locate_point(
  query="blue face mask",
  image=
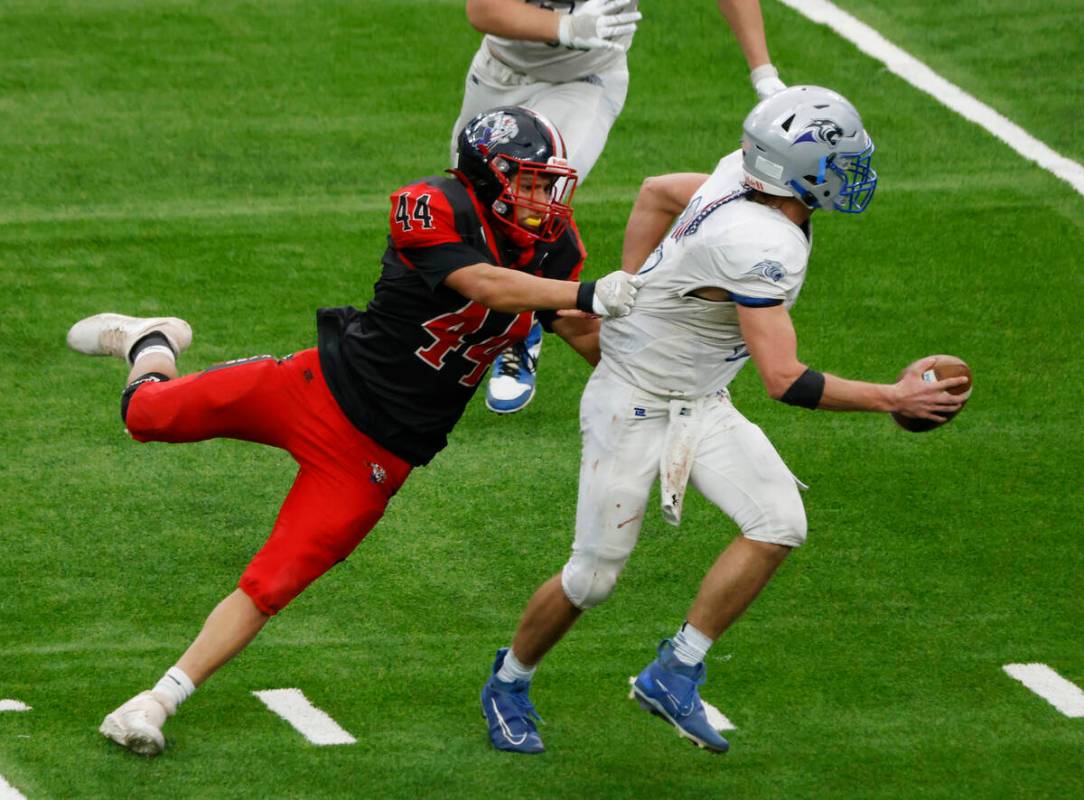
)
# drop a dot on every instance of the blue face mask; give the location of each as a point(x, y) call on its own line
point(859, 181)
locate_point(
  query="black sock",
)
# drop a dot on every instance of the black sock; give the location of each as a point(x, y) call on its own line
point(151, 339)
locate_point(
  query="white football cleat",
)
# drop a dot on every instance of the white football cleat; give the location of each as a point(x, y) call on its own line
point(138, 723)
point(114, 334)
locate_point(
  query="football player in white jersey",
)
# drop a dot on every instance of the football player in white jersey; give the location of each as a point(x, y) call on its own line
point(566, 60)
point(723, 257)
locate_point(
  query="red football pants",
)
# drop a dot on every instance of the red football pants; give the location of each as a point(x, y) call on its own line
point(345, 478)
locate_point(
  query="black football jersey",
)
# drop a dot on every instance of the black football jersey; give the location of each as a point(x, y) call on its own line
point(404, 369)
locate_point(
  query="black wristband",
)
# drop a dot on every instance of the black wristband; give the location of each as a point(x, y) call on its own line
point(585, 297)
point(806, 391)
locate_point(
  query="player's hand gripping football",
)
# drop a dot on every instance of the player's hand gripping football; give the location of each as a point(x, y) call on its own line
point(615, 293)
point(916, 397)
point(596, 26)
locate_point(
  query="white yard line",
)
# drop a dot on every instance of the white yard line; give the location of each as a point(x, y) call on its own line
point(1064, 695)
point(312, 723)
point(9, 792)
point(716, 718)
point(922, 77)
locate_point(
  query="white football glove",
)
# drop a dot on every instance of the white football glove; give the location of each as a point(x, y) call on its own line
point(765, 80)
point(615, 293)
point(595, 27)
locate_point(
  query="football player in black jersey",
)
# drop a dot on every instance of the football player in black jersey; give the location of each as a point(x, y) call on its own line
point(567, 60)
point(471, 258)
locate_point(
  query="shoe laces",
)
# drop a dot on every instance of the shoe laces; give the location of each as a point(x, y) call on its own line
point(514, 358)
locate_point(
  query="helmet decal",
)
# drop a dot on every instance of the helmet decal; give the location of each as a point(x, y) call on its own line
point(492, 129)
point(823, 130)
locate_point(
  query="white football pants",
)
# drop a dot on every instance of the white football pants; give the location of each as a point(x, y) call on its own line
point(623, 429)
point(583, 110)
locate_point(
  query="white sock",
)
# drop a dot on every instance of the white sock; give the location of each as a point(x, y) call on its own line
point(176, 685)
point(690, 645)
point(514, 670)
point(154, 350)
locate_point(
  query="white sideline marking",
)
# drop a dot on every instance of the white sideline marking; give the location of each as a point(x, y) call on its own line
point(1064, 695)
point(716, 718)
point(922, 77)
point(13, 705)
point(312, 723)
point(9, 792)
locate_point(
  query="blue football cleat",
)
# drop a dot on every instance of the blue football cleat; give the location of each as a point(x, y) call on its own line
point(667, 688)
point(510, 714)
point(512, 382)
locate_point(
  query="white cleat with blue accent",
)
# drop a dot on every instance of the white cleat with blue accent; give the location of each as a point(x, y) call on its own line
point(512, 382)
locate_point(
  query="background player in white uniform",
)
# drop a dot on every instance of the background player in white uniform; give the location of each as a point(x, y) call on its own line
point(718, 285)
point(566, 60)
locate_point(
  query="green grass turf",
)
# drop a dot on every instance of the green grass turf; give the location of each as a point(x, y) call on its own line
point(230, 162)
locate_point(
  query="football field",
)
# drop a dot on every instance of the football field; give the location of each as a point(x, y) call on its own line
point(230, 163)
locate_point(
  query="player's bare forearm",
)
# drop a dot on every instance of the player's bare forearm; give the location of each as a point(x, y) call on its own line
point(841, 394)
point(658, 202)
point(513, 19)
point(773, 346)
point(747, 22)
point(582, 336)
point(509, 291)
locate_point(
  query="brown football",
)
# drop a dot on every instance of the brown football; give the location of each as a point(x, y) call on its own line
point(944, 367)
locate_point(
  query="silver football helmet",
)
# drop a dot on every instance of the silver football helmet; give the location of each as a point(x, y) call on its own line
point(809, 142)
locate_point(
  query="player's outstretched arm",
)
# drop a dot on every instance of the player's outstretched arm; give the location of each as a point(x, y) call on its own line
point(747, 22)
point(511, 292)
point(660, 200)
point(773, 346)
point(513, 19)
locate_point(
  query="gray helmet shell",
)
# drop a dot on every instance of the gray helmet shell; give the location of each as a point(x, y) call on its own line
point(803, 142)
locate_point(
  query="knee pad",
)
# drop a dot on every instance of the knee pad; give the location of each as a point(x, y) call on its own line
point(785, 525)
point(588, 580)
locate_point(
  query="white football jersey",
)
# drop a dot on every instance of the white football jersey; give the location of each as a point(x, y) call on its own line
point(554, 63)
point(677, 345)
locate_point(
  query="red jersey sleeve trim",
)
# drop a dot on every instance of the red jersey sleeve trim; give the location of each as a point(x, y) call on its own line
point(421, 216)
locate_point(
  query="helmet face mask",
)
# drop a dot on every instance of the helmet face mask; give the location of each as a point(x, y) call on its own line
point(536, 197)
point(515, 161)
point(858, 180)
point(809, 142)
